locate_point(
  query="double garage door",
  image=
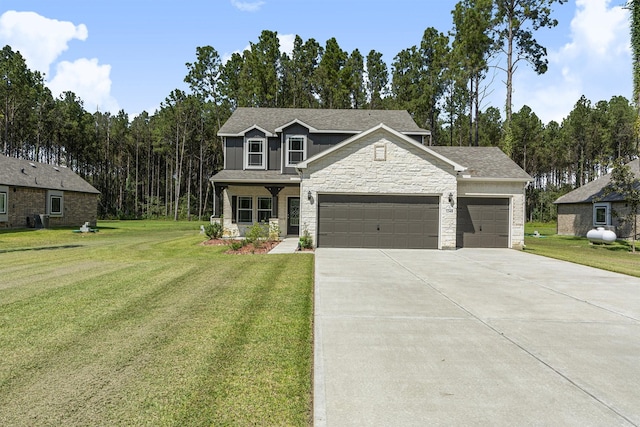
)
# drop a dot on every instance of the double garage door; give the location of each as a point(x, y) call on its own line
point(363, 221)
point(408, 222)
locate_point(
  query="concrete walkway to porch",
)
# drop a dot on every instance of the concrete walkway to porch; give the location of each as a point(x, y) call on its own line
point(288, 245)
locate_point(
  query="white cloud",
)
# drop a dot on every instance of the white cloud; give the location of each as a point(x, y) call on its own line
point(595, 63)
point(40, 40)
point(89, 81)
point(286, 43)
point(247, 6)
point(598, 30)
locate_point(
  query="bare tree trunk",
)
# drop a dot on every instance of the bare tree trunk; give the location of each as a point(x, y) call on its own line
point(200, 178)
point(189, 175)
point(470, 111)
point(510, 71)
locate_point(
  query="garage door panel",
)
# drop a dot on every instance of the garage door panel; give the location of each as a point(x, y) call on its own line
point(482, 222)
point(376, 221)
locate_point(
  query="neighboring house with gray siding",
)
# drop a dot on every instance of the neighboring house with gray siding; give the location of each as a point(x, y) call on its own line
point(586, 208)
point(30, 189)
point(364, 178)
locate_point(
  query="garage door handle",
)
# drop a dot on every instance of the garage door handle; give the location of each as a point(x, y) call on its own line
point(378, 227)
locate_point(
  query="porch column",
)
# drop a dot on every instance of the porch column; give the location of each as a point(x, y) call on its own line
point(217, 199)
point(274, 200)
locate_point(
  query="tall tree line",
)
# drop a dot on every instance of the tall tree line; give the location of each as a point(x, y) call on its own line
point(158, 165)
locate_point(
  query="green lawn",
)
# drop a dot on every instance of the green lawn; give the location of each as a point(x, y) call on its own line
point(616, 257)
point(139, 324)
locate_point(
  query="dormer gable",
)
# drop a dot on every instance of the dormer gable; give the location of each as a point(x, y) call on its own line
point(249, 129)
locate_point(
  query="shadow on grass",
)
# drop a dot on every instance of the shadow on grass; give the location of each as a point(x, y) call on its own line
point(42, 248)
point(613, 248)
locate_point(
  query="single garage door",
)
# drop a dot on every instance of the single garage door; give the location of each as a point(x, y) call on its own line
point(482, 223)
point(362, 221)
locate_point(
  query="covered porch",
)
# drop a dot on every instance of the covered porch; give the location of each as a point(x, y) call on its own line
point(243, 198)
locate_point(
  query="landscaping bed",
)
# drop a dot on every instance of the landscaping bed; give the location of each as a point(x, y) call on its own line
point(244, 249)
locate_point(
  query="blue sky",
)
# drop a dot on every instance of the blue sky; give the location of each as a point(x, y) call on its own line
point(131, 54)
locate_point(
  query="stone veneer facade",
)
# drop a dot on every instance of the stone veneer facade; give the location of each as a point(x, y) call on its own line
point(26, 202)
point(405, 170)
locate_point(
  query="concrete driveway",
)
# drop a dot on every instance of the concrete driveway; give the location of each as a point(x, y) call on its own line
point(473, 337)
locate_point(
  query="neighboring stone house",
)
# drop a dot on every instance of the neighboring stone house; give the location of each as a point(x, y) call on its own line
point(586, 208)
point(364, 178)
point(37, 194)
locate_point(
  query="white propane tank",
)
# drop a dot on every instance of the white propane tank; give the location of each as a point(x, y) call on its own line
point(600, 235)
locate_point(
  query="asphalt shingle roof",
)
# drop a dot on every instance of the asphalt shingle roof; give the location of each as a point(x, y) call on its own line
point(25, 173)
point(483, 162)
point(593, 191)
point(348, 121)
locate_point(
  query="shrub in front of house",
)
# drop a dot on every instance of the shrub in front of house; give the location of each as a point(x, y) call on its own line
point(213, 231)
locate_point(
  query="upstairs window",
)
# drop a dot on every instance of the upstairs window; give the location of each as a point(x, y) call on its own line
point(296, 151)
point(255, 153)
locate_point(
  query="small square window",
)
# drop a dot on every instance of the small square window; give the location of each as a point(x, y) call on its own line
point(601, 214)
point(56, 205)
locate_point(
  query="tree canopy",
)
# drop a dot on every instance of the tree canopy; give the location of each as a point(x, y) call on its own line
point(158, 163)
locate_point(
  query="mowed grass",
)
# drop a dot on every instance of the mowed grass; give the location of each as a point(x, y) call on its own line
point(139, 324)
point(616, 257)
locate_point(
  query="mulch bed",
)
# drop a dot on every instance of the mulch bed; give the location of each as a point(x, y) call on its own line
point(249, 248)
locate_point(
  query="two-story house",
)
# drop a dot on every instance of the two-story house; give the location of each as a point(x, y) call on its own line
point(364, 178)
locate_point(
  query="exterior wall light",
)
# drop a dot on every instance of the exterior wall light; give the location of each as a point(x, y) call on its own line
point(451, 199)
point(309, 195)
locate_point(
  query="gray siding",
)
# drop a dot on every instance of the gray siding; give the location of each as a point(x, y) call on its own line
point(316, 143)
point(273, 156)
point(233, 153)
point(418, 139)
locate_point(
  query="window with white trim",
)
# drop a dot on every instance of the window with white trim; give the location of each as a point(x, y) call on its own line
point(255, 153)
point(601, 214)
point(55, 203)
point(245, 209)
point(296, 149)
point(3, 203)
point(264, 209)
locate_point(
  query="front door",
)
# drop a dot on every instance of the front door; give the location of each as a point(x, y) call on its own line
point(293, 216)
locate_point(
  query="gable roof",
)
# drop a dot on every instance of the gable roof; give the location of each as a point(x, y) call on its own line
point(593, 191)
point(274, 120)
point(25, 173)
point(381, 126)
point(484, 163)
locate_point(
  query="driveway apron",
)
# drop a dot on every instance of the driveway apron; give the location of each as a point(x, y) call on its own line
point(473, 337)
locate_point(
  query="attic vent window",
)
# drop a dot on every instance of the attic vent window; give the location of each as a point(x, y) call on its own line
point(380, 152)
